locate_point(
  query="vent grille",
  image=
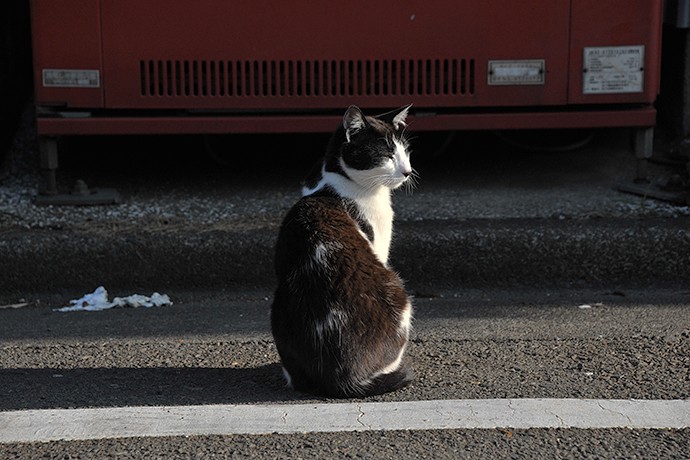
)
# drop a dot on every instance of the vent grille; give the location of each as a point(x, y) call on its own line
point(306, 78)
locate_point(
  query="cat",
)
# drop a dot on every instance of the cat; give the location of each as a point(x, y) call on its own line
point(341, 317)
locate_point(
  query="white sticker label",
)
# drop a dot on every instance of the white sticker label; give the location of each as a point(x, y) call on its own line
point(613, 69)
point(71, 78)
point(517, 72)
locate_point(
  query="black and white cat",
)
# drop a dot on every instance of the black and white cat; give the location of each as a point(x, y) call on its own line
point(341, 317)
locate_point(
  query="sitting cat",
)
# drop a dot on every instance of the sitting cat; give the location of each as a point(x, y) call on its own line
point(340, 317)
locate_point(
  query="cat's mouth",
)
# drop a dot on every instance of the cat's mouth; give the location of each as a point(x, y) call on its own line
point(409, 180)
point(398, 182)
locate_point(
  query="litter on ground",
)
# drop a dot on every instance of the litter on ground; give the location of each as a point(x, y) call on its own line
point(14, 306)
point(98, 300)
point(588, 306)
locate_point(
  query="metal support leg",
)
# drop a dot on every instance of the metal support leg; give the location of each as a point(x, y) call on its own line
point(643, 146)
point(81, 195)
point(49, 164)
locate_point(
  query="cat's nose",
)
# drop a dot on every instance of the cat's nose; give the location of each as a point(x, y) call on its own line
point(406, 174)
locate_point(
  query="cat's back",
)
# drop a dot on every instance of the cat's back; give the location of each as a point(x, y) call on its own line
point(319, 229)
point(316, 214)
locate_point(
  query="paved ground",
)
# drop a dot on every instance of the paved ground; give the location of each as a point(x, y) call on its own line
point(217, 349)
point(212, 348)
point(533, 277)
point(435, 444)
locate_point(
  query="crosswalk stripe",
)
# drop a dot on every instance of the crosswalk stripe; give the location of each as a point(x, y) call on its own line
point(147, 421)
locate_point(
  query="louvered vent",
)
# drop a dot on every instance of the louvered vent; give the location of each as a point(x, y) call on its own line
point(207, 78)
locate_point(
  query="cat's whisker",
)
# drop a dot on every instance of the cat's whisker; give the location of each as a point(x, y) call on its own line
point(414, 176)
point(411, 182)
point(406, 136)
point(378, 181)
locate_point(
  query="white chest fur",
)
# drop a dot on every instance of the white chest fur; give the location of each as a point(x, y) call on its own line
point(374, 205)
point(377, 210)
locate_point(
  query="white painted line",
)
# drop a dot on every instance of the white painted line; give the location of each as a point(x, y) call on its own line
point(117, 422)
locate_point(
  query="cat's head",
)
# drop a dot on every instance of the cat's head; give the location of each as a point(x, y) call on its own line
point(374, 150)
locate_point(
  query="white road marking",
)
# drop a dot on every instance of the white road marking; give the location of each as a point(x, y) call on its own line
point(118, 422)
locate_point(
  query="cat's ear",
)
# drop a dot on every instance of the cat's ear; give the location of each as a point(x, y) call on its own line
point(353, 121)
point(396, 117)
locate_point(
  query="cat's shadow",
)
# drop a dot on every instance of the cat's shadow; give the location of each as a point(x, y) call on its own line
point(118, 387)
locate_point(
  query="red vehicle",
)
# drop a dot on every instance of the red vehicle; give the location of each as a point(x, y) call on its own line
point(220, 66)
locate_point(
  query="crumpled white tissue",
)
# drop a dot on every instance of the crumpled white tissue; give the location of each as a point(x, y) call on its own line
point(98, 300)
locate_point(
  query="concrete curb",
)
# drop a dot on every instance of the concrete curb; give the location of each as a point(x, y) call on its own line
point(544, 252)
point(445, 253)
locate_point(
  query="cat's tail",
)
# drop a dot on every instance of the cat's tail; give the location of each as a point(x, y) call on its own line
point(383, 383)
point(392, 381)
point(346, 388)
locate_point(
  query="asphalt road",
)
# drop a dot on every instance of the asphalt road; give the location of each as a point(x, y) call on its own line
point(539, 225)
point(214, 348)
